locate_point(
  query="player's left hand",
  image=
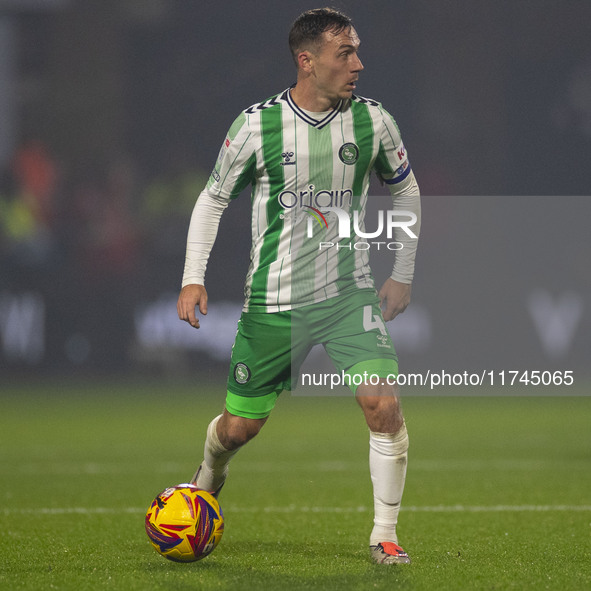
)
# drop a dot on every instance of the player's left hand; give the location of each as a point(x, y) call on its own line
point(394, 298)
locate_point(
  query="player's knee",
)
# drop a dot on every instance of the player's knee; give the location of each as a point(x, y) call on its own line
point(383, 414)
point(234, 431)
point(235, 437)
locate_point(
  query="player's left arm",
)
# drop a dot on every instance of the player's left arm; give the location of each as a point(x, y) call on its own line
point(394, 169)
point(395, 294)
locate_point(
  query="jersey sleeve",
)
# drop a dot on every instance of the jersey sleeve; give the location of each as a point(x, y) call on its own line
point(235, 166)
point(392, 164)
point(233, 171)
point(203, 230)
point(393, 167)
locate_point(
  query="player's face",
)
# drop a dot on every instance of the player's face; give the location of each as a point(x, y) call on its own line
point(337, 65)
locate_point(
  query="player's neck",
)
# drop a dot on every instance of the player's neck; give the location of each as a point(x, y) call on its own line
point(309, 99)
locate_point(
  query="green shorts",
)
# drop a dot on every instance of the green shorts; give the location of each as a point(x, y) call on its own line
point(270, 348)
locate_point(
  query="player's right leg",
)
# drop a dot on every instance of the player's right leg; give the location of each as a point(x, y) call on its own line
point(260, 369)
point(235, 431)
point(226, 434)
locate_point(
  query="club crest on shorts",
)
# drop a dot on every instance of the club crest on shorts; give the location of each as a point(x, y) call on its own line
point(349, 153)
point(241, 373)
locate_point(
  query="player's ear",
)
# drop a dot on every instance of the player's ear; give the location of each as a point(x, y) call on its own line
point(305, 61)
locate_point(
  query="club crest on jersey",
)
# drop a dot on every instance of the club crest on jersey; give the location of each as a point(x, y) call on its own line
point(349, 153)
point(241, 373)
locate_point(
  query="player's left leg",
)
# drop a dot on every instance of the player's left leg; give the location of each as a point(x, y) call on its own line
point(388, 445)
point(359, 344)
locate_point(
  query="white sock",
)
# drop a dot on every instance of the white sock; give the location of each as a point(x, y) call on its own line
point(387, 466)
point(214, 468)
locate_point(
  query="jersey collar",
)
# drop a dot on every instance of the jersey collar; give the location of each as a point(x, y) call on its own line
point(317, 123)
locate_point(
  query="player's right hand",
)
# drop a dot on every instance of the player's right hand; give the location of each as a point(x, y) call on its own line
point(191, 296)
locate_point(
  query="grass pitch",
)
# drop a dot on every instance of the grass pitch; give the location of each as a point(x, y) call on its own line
point(497, 495)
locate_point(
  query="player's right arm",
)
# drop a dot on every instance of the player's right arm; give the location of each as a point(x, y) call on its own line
point(233, 171)
point(200, 239)
point(191, 296)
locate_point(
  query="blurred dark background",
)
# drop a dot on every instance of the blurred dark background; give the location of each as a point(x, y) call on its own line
point(112, 113)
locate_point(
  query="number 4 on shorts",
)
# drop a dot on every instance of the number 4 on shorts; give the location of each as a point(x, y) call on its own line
point(373, 321)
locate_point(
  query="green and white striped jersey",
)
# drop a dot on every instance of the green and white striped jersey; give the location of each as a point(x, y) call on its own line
point(300, 165)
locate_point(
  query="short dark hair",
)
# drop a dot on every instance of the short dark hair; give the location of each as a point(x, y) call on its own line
point(307, 29)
